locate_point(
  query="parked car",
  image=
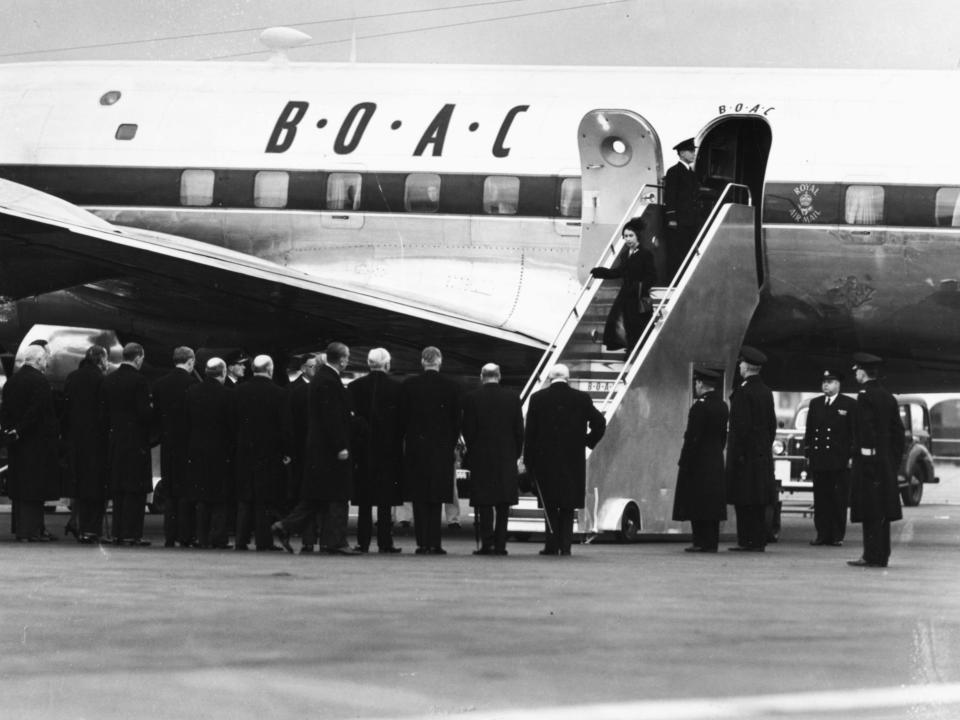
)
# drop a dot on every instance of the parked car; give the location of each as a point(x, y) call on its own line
point(916, 465)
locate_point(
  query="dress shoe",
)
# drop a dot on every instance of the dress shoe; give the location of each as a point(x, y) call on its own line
point(454, 525)
point(421, 551)
point(169, 543)
point(437, 551)
point(836, 543)
point(282, 536)
point(745, 548)
point(307, 550)
point(501, 551)
point(548, 552)
point(342, 550)
point(69, 529)
point(817, 541)
point(483, 551)
point(361, 548)
point(860, 562)
point(565, 553)
point(698, 549)
point(392, 550)
point(87, 539)
point(48, 536)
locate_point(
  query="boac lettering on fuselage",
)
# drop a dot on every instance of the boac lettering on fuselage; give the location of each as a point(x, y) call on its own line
point(357, 120)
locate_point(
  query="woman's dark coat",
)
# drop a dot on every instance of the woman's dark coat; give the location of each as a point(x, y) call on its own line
point(700, 492)
point(639, 273)
point(378, 447)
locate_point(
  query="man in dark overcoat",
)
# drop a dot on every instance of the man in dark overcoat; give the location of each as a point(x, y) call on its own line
point(30, 427)
point(84, 429)
point(681, 191)
point(328, 464)
point(561, 424)
point(211, 448)
point(170, 417)
point(493, 434)
point(263, 452)
point(430, 425)
point(298, 393)
point(700, 496)
point(828, 447)
point(749, 473)
point(127, 403)
point(378, 451)
point(878, 448)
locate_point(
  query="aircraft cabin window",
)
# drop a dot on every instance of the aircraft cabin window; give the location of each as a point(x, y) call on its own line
point(501, 195)
point(570, 197)
point(948, 207)
point(196, 188)
point(343, 191)
point(864, 205)
point(421, 193)
point(126, 131)
point(270, 189)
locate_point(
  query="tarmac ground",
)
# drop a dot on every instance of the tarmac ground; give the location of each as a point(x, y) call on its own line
point(619, 631)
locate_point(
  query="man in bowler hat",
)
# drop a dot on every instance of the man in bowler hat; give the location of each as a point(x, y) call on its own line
point(878, 447)
point(828, 447)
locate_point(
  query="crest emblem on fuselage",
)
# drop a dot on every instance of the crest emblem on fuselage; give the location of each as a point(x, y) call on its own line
point(803, 210)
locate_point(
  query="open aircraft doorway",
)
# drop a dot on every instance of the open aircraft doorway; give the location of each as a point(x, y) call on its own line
point(735, 149)
point(619, 157)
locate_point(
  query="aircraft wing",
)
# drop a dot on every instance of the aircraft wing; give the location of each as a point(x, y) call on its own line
point(153, 284)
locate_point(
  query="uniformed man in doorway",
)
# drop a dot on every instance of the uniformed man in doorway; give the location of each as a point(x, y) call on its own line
point(680, 198)
point(561, 424)
point(753, 426)
point(878, 447)
point(700, 496)
point(828, 447)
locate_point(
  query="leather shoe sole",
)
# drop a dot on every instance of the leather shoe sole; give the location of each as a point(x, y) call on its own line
point(741, 548)
point(863, 563)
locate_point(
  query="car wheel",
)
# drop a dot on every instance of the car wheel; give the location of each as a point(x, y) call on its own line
point(912, 494)
point(629, 524)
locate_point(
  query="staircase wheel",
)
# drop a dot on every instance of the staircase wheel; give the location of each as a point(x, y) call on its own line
point(629, 524)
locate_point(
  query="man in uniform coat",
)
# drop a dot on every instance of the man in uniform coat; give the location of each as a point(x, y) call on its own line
point(328, 465)
point(263, 452)
point(236, 368)
point(493, 433)
point(554, 453)
point(378, 452)
point(700, 496)
point(430, 425)
point(211, 447)
point(749, 472)
point(127, 402)
point(170, 417)
point(878, 447)
point(30, 427)
point(828, 447)
point(680, 198)
point(85, 435)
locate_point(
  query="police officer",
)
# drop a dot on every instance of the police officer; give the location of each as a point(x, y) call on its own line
point(828, 447)
point(878, 447)
point(699, 497)
point(753, 426)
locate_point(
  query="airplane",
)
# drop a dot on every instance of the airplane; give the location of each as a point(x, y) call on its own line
point(277, 205)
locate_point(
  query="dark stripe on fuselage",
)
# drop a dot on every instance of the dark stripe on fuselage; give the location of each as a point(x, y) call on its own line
point(802, 203)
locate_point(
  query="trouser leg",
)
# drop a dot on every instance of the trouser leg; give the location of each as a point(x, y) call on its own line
point(244, 522)
point(566, 529)
point(89, 515)
point(434, 523)
point(204, 515)
point(824, 512)
point(29, 520)
point(365, 525)
point(842, 502)
point(384, 526)
point(706, 533)
point(552, 540)
point(171, 514)
point(219, 534)
point(186, 521)
point(420, 524)
point(500, 527)
point(485, 518)
point(333, 534)
point(261, 525)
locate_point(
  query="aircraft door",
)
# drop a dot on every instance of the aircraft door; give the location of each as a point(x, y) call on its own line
point(735, 149)
point(619, 154)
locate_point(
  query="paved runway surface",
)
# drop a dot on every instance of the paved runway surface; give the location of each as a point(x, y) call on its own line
point(638, 631)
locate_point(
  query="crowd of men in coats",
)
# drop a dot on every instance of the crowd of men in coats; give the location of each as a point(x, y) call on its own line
point(265, 463)
point(853, 448)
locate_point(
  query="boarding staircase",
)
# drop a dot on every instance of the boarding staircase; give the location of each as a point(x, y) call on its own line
point(699, 321)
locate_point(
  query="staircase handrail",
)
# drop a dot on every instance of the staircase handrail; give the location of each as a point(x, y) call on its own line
point(589, 288)
point(619, 384)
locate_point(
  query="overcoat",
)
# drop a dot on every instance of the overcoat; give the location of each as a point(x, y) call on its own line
point(378, 447)
point(170, 418)
point(753, 427)
point(555, 442)
point(325, 476)
point(263, 439)
point(700, 489)
point(874, 492)
point(493, 434)
point(828, 437)
point(298, 396)
point(680, 196)
point(84, 429)
point(34, 468)
point(430, 425)
point(639, 273)
point(211, 442)
point(126, 398)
